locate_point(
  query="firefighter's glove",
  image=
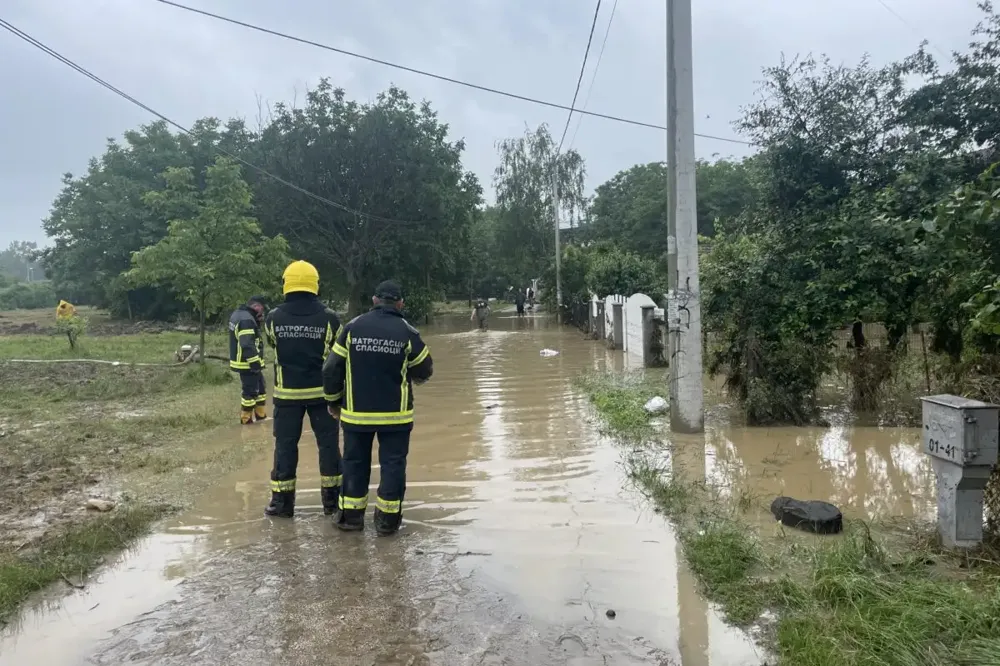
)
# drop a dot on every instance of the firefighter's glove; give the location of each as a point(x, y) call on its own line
point(255, 367)
point(334, 410)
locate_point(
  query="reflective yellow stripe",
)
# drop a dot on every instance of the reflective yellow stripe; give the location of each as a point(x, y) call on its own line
point(420, 357)
point(376, 418)
point(261, 399)
point(338, 350)
point(348, 382)
point(333, 397)
point(330, 481)
point(299, 393)
point(388, 506)
point(248, 403)
point(248, 331)
point(353, 502)
point(403, 384)
point(328, 342)
point(283, 486)
point(252, 359)
point(239, 365)
point(279, 379)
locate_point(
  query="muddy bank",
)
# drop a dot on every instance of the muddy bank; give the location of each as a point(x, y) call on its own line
point(92, 454)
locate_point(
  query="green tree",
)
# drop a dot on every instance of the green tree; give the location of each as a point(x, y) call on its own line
point(614, 271)
point(99, 219)
point(214, 255)
point(523, 181)
point(402, 202)
point(20, 261)
point(630, 209)
point(957, 109)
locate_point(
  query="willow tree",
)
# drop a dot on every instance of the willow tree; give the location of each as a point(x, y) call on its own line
point(529, 166)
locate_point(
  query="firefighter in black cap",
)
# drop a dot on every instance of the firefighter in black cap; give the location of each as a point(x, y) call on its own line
point(302, 331)
point(246, 357)
point(374, 363)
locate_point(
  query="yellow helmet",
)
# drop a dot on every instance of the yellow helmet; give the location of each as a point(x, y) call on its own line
point(301, 276)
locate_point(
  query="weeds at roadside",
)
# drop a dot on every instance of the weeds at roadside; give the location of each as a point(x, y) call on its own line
point(70, 555)
point(852, 600)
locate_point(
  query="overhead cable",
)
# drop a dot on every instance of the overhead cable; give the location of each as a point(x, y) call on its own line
point(93, 77)
point(579, 79)
point(593, 78)
point(439, 77)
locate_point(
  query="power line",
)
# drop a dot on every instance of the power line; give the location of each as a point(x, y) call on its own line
point(593, 79)
point(439, 77)
point(579, 80)
point(93, 77)
point(910, 26)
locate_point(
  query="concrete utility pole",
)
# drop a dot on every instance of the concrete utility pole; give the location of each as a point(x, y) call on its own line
point(683, 299)
point(555, 218)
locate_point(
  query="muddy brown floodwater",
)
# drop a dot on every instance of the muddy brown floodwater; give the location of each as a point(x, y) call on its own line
point(520, 535)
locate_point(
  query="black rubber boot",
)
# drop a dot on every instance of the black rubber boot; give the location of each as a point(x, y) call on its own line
point(387, 523)
point(350, 520)
point(331, 500)
point(282, 505)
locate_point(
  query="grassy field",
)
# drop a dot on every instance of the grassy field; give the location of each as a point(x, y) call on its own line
point(134, 434)
point(881, 594)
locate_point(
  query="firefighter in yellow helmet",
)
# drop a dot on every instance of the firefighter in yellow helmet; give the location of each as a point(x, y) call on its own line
point(302, 331)
point(370, 374)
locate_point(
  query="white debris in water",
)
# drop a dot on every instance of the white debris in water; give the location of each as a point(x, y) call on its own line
point(655, 405)
point(548, 352)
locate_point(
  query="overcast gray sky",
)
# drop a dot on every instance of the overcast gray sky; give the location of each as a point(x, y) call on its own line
point(52, 120)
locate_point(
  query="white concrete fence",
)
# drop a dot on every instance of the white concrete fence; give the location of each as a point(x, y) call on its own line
point(631, 324)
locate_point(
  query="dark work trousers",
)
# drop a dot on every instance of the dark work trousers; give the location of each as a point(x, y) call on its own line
point(393, 447)
point(287, 432)
point(252, 389)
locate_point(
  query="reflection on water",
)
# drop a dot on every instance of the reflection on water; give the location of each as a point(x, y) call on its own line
point(520, 534)
point(868, 472)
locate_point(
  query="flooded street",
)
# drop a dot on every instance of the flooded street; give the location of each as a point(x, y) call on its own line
point(520, 535)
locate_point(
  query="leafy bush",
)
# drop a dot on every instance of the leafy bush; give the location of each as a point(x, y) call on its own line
point(418, 304)
point(614, 271)
point(27, 296)
point(72, 327)
point(773, 329)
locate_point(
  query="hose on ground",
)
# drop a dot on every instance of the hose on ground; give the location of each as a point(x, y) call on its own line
point(193, 355)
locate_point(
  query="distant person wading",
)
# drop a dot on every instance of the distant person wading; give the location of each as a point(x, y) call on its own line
point(481, 313)
point(519, 299)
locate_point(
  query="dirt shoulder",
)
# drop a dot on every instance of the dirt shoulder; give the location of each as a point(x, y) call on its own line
point(883, 592)
point(92, 453)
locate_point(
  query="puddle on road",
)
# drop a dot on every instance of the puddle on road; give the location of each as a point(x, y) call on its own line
point(520, 535)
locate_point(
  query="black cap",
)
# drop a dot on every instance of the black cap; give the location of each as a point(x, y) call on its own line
point(389, 291)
